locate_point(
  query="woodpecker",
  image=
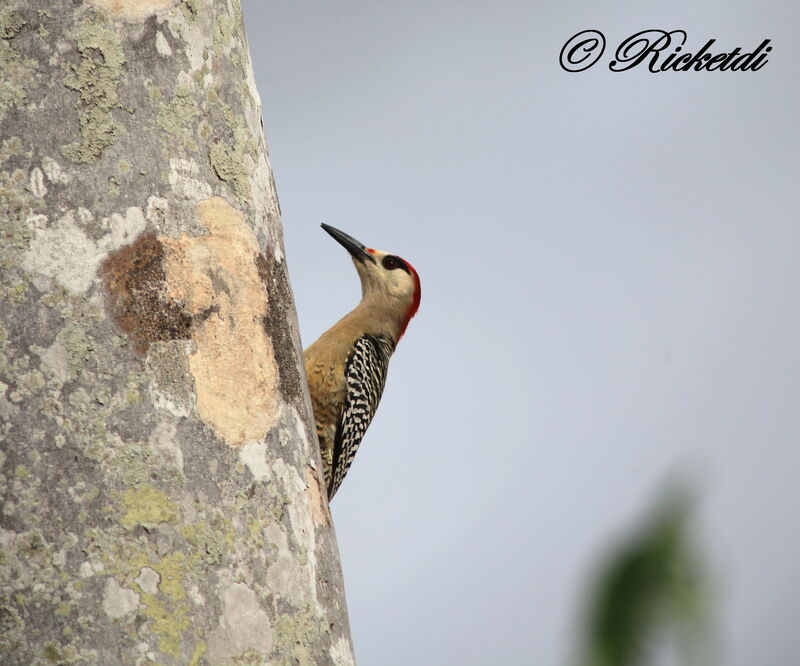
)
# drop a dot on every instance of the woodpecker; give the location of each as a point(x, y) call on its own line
point(347, 366)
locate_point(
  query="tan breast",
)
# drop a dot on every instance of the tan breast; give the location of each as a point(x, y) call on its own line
point(325, 363)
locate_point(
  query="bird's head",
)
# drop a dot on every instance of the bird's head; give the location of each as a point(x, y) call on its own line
point(387, 281)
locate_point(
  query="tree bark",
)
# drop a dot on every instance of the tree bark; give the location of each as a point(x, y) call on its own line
point(160, 471)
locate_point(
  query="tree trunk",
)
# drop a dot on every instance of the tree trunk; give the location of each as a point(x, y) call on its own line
point(160, 472)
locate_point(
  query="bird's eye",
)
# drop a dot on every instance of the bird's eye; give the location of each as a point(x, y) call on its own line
point(390, 263)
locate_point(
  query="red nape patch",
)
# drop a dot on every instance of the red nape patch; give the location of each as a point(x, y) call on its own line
point(412, 309)
point(370, 250)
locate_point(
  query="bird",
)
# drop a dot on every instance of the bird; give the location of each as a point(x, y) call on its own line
point(346, 367)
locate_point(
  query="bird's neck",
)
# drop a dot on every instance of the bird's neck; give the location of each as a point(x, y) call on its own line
point(379, 315)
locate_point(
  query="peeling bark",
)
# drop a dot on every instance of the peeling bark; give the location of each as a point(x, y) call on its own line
point(160, 474)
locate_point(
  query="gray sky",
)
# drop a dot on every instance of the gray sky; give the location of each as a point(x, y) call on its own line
point(610, 293)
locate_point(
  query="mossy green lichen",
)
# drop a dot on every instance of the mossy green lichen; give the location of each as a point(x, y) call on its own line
point(190, 9)
point(42, 30)
point(16, 204)
point(9, 148)
point(33, 381)
point(228, 158)
point(176, 117)
point(134, 464)
point(172, 568)
point(77, 345)
point(67, 654)
point(146, 506)
point(227, 162)
point(11, 23)
point(199, 651)
point(223, 30)
point(212, 539)
point(79, 399)
point(248, 658)
point(296, 633)
point(117, 500)
point(228, 36)
point(132, 397)
point(113, 188)
point(52, 653)
point(96, 77)
point(240, 132)
point(167, 609)
point(16, 293)
point(15, 71)
point(168, 625)
point(256, 535)
point(199, 76)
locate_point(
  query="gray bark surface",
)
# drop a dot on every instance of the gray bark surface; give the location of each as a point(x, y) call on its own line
point(160, 473)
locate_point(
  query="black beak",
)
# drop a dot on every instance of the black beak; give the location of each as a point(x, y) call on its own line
point(356, 249)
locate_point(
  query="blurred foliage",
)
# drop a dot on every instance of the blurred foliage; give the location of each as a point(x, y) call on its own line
point(650, 595)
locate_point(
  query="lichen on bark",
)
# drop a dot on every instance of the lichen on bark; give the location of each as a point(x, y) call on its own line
point(158, 464)
point(96, 78)
point(14, 67)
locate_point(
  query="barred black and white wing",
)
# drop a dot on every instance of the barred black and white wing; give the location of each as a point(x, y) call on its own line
point(365, 377)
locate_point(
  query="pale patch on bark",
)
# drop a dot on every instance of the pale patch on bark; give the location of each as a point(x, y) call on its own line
point(119, 601)
point(54, 172)
point(286, 577)
point(254, 455)
point(55, 363)
point(134, 11)
point(342, 653)
point(243, 625)
point(122, 229)
point(89, 569)
point(148, 580)
point(182, 174)
point(162, 45)
point(163, 438)
point(292, 577)
point(316, 504)
point(178, 533)
point(169, 404)
point(193, 36)
point(233, 365)
point(157, 209)
point(37, 186)
point(64, 251)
